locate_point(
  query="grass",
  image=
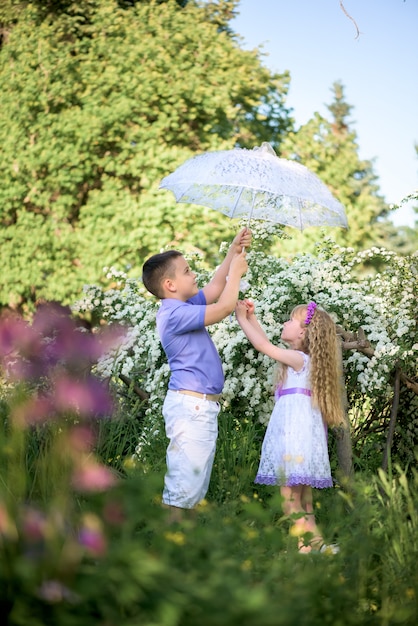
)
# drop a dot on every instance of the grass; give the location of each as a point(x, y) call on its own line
point(232, 562)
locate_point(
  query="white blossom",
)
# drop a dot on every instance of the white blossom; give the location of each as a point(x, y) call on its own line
point(383, 305)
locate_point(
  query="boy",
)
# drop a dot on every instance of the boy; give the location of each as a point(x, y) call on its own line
point(191, 406)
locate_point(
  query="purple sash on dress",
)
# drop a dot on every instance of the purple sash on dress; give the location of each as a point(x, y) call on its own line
point(291, 390)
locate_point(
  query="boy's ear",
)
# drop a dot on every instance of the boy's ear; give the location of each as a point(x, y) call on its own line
point(168, 285)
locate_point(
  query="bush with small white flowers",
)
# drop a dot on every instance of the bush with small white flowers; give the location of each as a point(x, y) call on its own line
point(382, 304)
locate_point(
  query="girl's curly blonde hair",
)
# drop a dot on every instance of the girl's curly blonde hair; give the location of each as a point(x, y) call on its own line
point(323, 346)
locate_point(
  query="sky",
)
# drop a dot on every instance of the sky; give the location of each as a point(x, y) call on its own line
point(318, 44)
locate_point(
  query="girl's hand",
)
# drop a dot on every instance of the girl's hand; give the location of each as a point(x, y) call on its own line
point(240, 310)
point(250, 307)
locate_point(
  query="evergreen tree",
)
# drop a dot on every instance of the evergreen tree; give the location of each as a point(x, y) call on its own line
point(329, 148)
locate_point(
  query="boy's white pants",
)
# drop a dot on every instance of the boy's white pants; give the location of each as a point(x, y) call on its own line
point(192, 427)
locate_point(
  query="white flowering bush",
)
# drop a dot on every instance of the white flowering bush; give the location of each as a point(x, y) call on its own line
point(382, 304)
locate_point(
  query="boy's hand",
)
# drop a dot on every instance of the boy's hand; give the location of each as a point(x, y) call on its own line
point(239, 263)
point(242, 239)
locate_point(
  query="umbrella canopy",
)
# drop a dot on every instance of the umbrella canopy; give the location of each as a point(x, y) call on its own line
point(256, 184)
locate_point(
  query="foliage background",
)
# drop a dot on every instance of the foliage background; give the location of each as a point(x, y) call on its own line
point(100, 100)
point(80, 543)
point(103, 98)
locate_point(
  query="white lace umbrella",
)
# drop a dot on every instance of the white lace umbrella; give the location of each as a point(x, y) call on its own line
point(256, 184)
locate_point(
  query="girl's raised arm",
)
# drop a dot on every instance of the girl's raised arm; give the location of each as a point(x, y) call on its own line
point(258, 338)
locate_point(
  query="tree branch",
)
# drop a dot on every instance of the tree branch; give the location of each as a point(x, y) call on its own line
point(392, 421)
point(129, 383)
point(411, 384)
point(358, 341)
point(355, 341)
point(350, 18)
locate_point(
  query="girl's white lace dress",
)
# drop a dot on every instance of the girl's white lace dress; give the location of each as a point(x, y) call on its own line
point(295, 446)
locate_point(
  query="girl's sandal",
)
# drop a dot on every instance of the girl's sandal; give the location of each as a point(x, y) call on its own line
point(330, 548)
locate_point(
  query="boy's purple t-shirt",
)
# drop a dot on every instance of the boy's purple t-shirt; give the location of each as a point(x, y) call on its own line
point(193, 359)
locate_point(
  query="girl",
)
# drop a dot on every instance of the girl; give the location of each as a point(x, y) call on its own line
point(308, 398)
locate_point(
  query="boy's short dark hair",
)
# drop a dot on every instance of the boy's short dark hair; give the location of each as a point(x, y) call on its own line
point(156, 268)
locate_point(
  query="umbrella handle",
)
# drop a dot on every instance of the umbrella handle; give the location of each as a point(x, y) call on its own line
point(252, 209)
point(250, 215)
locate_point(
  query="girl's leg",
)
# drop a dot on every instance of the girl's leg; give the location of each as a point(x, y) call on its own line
point(292, 499)
point(310, 524)
point(298, 499)
point(292, 505)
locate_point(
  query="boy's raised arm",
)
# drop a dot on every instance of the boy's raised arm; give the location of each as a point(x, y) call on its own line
point(216, 285)
point(217, 311)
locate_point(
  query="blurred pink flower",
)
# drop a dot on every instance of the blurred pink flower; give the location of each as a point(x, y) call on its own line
point(19, 344)
point(34, 525)
point(81, 438)
point(91, 535)
point(35, 410)
point(90, 476)
point(88, 397)
point(15, 335)
point(53, 591)
point(114, 513)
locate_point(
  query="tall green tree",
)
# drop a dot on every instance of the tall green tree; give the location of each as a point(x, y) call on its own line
point(100, 100)
point(329, 148)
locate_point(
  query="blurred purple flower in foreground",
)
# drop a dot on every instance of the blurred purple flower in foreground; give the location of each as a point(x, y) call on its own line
point(91, 535)
point(50, 394)
point(53, 591)
point(35, 526)
point(57, 355)
point(88, 397)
